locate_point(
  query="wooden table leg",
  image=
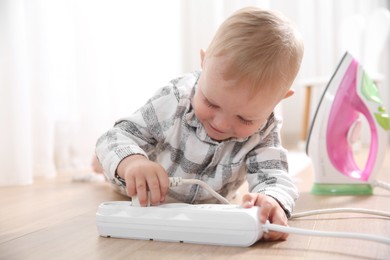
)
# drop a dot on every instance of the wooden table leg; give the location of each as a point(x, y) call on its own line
point(306, 113)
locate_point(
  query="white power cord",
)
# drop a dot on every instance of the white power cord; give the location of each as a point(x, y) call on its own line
point(299, 231)
point(381, 184)
point(177, 181)
point(340, 210)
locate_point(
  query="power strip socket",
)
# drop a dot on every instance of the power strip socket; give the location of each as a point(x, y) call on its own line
point(214, 224)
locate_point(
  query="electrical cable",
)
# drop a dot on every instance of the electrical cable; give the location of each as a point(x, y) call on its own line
point(177, 181)
point(381, 184)
point(299, 231)
point(340, 210)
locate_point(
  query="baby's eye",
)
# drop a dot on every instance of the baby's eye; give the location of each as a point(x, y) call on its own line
point(210, 104)
point(245, 121)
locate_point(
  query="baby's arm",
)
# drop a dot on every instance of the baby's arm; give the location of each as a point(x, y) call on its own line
point(126, 151)
point(270, 185)
point(123, 152)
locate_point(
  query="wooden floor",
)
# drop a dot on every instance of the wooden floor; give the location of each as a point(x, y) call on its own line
point(55, 219)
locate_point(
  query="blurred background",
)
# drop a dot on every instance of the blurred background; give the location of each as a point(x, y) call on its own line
point(70, 68)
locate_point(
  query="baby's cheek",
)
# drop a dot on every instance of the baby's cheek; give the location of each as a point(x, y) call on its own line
point(245, 131)
point(199, 114)
point(203, 113)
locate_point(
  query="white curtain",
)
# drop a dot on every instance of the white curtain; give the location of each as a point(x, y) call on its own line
point(70, 68)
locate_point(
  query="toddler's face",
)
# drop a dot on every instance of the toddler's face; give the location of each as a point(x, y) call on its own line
point(225, 107)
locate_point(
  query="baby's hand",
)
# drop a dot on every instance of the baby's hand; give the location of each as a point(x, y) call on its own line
point(269, 210)
point(141, 176)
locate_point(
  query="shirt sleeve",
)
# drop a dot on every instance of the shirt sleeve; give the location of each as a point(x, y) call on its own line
point(267, 168)
point(136, 134)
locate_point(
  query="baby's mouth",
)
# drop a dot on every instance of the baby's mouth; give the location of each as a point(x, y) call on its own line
point(216, 129)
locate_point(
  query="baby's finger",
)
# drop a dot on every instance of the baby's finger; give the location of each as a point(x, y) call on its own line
point(130, 187)
point(142, 194)
point(265, 210)
point(154, 188)
point(248, 200)
point(164, 185)
point(273, 236)
point(279, 218)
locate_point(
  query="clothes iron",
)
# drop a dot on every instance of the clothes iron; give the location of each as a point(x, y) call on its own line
point(349, 94)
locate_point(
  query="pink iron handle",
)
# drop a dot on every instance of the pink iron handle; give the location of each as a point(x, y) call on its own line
point(344, 112)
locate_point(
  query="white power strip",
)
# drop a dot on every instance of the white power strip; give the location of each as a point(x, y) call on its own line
point(228, 225)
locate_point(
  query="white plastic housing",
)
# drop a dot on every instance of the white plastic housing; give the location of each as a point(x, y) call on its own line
point(227, 225)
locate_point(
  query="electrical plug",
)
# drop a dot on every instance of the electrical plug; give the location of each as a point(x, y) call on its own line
point(173, 182)
point(177, 181)
point(135, 201)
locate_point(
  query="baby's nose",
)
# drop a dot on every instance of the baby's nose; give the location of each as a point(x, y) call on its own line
point(222, 122)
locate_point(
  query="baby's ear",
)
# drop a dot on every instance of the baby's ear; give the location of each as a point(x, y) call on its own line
point(289, 93)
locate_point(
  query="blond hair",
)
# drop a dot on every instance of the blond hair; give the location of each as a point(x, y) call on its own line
point(262, 46)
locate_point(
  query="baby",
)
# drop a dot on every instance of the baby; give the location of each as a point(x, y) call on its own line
point(216, 124)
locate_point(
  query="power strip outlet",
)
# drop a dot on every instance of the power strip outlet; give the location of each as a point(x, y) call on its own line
point(214, 224)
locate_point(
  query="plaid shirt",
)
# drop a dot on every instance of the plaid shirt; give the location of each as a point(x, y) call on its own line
point(166, 131)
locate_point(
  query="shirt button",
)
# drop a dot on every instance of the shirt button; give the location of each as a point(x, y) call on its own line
point(205, 178)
